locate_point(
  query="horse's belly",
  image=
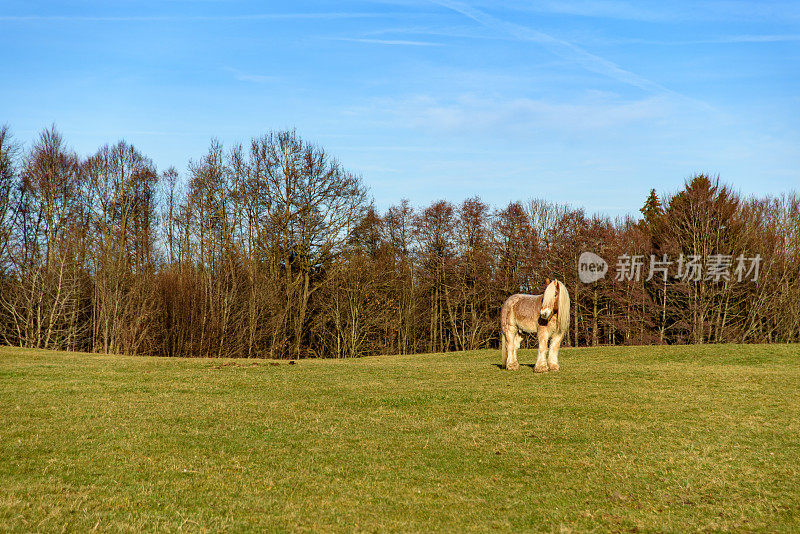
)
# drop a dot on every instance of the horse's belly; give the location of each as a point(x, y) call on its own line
point(530, 326)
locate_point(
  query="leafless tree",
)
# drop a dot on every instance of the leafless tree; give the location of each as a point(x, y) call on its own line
point(44, 307)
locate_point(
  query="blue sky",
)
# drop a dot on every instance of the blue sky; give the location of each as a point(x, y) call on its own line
point(586, 102)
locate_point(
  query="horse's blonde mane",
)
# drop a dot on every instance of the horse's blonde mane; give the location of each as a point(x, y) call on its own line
point(549, 297)
point(563, 303)
point(563, 308)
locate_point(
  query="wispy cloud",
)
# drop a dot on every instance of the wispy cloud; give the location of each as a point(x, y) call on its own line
point(601, 9)
point(392, 42)
point(469, 114)
point(568, 51)
point(451, 31)
point(750, 39)
point(560, 47)
point(171, 18)
point(705, 10)
point(254, 78)
point(471, 32)
point(723, 39)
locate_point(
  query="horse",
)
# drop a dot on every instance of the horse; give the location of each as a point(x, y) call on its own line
point(546, 314)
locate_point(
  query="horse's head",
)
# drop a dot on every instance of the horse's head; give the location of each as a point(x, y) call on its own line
point(550, 299)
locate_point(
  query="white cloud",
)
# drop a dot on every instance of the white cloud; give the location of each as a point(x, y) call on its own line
point(469, 114)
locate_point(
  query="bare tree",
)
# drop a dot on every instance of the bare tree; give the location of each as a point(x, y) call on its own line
point(9, 152)
point(45, 305)
point(9, 204)
point(121, 186)
point(314, 206)
point(398, 230)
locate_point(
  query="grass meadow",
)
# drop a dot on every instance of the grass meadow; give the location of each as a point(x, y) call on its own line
point(622, 439)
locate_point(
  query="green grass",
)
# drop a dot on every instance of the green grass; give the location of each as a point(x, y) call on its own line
point(622, 439)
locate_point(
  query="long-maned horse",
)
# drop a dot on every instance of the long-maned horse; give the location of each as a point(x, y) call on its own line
point(547, 315)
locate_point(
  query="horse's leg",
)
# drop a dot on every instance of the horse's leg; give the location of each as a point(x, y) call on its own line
point(541, 362)
point(505, 347)
point(513, 345)
point(552, 356)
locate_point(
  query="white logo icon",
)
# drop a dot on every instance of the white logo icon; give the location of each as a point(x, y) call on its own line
point(591, 267)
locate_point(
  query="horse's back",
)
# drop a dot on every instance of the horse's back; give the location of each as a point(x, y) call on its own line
point(524, 309)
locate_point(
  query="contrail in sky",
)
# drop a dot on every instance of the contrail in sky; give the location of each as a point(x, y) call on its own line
point(559, 47)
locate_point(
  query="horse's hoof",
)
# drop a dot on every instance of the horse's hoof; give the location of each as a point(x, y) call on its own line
point(514, 366)
point(553, 366)
point(540, 369)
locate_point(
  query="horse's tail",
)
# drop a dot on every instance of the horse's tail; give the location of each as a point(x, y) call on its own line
point(503, 353)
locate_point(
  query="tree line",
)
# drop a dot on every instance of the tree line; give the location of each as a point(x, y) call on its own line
point(273, 249)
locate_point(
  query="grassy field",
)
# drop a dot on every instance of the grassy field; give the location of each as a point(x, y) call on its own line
point(622, 439)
